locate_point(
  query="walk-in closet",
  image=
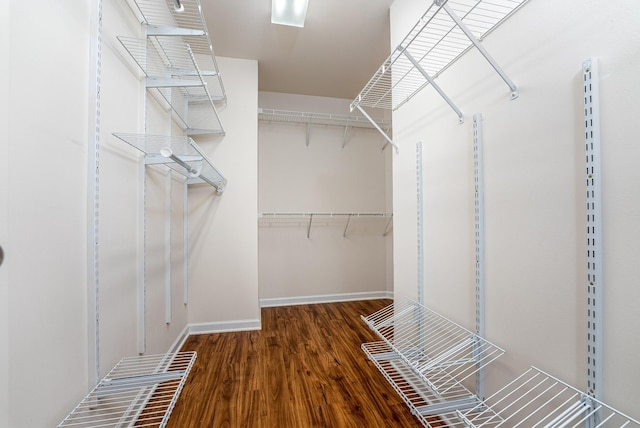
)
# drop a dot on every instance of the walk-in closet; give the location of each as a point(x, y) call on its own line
point(319, 213)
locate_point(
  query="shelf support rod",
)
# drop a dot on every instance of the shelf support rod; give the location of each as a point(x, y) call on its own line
point(308, 132)
point(344, 234)
point(483, 51)
point(375, 125)
point(418, 67)
point(387, 228)
point(344, 136)
point(309, 226)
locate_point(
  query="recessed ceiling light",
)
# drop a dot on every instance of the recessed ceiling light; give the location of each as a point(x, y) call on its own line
point(289, 12)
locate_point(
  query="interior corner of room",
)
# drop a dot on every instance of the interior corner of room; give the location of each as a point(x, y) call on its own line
point(468, 177)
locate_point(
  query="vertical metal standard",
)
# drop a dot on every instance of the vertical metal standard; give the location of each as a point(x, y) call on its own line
point(483, 51)
point(167, 249)
point(420, 224)
point(435, 86)
point(185, 241)
point(594, 227)
point(142, 245)
point(479, 238)
point(93, 199)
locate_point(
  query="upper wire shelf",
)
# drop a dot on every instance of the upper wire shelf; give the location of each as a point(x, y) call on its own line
point(138, 391)
point(442, 35)
point(184, 19)
point(171, 68)
point(181, 154)
point(429, 360)
point(307, 219)
point(537, 399)
point(288, 116)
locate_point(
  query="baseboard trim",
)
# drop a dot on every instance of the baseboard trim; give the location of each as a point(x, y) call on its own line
point(182, 337)
point(224, 326)
point(325, 298)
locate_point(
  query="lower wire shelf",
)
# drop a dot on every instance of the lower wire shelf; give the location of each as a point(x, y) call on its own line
point(431, 408)
point(138, 391)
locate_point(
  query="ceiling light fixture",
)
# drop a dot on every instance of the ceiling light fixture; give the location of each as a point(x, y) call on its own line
point(289, 12)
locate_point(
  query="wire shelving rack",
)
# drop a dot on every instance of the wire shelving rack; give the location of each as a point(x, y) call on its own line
point(178, 61)
point(181, 154)
point(537, 399)
point(445, 32)
point(429, 360)
point(309, 219)
point(138, 391)
point(326, 119)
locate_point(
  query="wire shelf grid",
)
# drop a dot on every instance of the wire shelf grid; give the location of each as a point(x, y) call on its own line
point(287, 116)
point(436, 41)
point(171, 68)
point(175, 16)
point(138, 391)
point(432, 354)
point(536, 399)
point(309, 219)
point(181, 154)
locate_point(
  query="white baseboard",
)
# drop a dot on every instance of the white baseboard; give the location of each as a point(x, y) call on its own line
point(182, 337)
point(224, 326)
point(325, 298)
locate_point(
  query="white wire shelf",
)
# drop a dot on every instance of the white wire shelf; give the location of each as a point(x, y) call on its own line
point(429, 360)
point(442, 35)
point(183, 19)
point(288, 116)
point(537, 399)
point(309, 219)
point(171, 68)
point(325, 119)
point(181, 154)
point(138, 391)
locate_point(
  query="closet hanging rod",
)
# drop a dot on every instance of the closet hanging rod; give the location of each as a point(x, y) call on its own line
point(315, 118)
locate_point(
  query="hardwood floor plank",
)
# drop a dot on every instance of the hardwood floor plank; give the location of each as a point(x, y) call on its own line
point(304, 368)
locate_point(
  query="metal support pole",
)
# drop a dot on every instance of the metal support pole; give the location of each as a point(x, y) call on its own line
point(594, 227)
point(375, 125)
point(483, 51)
point(420, 222)
point(479, 239)
point(167, 249)
point(93, 199)
point(185, 241)
point(418, 67)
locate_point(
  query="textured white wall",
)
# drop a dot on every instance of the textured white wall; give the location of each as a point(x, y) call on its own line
point(4, 223)
point(534, 190)
point(321, 177)
point(223, 235)
point(46, 247)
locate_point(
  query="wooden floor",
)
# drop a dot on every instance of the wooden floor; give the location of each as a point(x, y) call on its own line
point(304, 368)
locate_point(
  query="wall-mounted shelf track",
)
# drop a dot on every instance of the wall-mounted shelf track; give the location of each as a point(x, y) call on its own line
point(181, 154)
point(309, 219)
point(138, 391)
point(447, 30)
point(429, 360)
point(537, 399)
point(326, 119)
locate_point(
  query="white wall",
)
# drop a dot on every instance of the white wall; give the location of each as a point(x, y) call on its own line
point(223, 236)
point(4, 223)
point(46, 355)
point(534, 190)
point(46, 245)
point(323, 177)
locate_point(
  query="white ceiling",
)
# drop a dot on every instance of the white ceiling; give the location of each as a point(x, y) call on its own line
point(341, 45)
